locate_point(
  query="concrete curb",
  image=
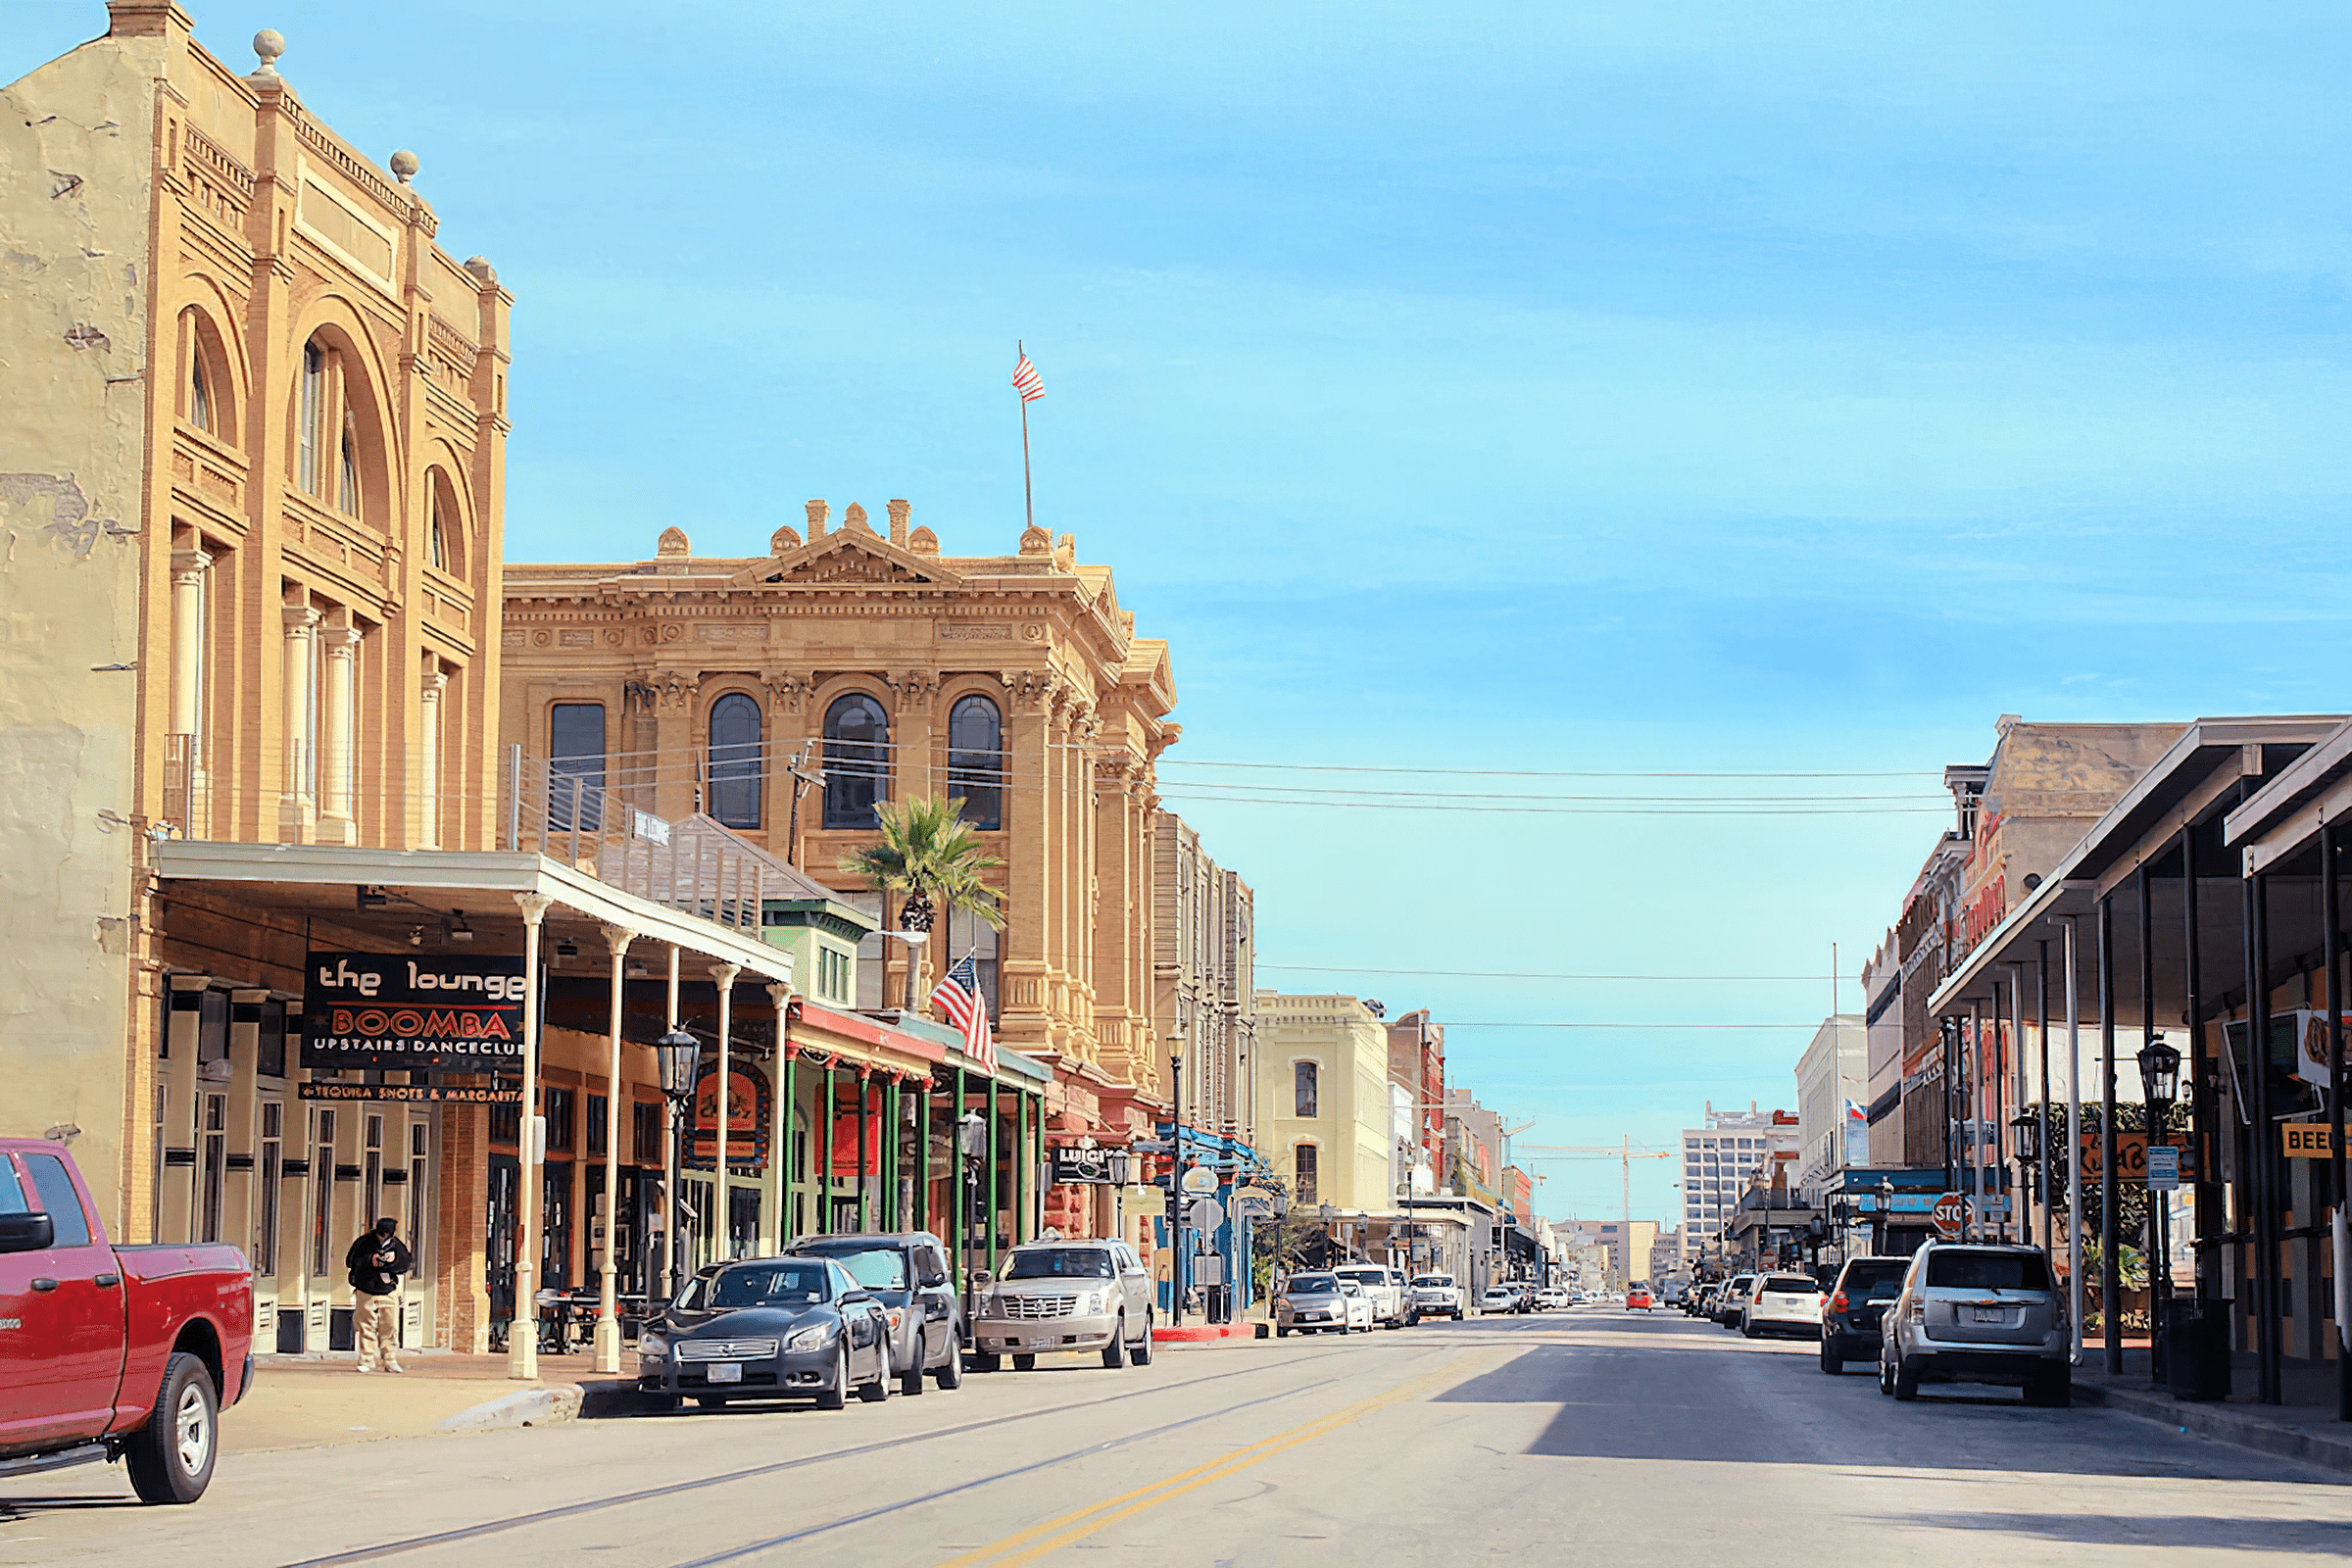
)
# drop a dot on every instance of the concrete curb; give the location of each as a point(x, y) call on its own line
point(1210, 1334)
point(2224, 1424)
point(525, 1407)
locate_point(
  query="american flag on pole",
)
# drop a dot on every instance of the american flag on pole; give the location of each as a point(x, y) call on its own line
point(1026, 382)
point(957, 994)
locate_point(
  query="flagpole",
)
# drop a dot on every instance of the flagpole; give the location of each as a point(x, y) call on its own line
point(1028, 495)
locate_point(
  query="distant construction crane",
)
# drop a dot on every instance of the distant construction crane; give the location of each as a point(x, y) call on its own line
point(1625, 1154)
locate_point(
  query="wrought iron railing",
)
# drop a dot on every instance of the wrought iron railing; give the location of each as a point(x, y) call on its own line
point(694, 866)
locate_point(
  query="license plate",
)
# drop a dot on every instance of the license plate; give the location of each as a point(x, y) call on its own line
point(1989, 1314)
point(726, 1372)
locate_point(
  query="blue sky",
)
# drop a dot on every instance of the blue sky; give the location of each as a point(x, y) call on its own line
point(1572, 388)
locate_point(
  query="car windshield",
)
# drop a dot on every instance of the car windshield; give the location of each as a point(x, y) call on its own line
point(1059, 1263)
point(1988, 1271)
point(1784, 1283)
point(877, 1268)
point(1313, 1285)
point(1434, 1282)
point(764, 1284)
point(1873, 1282)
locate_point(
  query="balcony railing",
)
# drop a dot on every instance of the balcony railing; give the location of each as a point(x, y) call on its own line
point(694, 866)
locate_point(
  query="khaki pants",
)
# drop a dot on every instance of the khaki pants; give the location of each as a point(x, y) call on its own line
point(377, 1318)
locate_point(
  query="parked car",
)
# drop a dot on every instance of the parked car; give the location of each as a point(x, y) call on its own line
point(1076, 1295)
point(1857, 1299)
point(768, 1328)
point(907, 1273)
point(1497, 1298)
point(1434, 1296)
point(1638, 1299)
point(1383, 1286)
point(1977, 1314)
point(1732, 1297)
point(112, 1352)
point(1782, 1304)
point(1701, 1301)
point(1322, 1304)
point(1551, 1298)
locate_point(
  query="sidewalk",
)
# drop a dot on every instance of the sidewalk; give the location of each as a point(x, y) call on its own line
point(2304, 1428)
point(307, 1402)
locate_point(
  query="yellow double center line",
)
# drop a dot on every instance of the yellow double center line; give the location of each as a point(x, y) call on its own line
point(1055, 1533)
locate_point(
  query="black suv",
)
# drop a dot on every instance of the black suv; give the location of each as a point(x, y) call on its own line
point(907, 1273)
point(1850, 1317)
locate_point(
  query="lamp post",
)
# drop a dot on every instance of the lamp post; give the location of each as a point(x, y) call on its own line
point(2160, 1086)
point(2027, 1125)
point(676, 1055)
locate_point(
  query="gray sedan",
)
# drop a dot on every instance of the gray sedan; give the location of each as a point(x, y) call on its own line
point(778, 1328)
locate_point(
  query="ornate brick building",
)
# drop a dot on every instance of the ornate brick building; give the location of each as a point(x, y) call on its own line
point(786, 692)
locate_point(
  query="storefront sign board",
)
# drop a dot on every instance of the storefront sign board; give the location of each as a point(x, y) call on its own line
point(374, 1009)
point(2307, 1139)
point(418, 1094)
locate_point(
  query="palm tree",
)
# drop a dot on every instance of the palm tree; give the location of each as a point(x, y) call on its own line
point(928, 852)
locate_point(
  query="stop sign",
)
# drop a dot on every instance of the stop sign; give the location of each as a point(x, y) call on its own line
point(1949, 1214)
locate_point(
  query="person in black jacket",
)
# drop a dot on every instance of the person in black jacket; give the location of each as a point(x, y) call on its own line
point(377, 1262)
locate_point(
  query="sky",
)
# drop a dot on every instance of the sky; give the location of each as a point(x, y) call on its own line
point(1561, 391)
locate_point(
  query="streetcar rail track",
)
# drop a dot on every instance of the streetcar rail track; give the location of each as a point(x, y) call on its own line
point(588, 1506)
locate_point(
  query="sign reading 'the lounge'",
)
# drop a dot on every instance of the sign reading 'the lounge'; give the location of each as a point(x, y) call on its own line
point(374, 1009)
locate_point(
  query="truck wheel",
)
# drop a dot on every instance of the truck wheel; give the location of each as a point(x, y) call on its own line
point(1280, 1332)
point(1024, 1363)
point(951, 1371)
point(910, 1382)
point(984, 1360)
point(1114, 1355)
point(171, 1457)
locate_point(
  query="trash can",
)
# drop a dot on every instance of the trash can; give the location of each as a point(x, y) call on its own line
point(2196, 1349)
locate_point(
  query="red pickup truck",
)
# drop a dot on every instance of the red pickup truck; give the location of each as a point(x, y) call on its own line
point(111, 1353)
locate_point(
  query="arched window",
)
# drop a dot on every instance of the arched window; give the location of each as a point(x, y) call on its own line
point(200, 391)
point(737, 769)
point(311, 437)
point(1303, 1174)
point(437, 546)
point(1303, 1084)
point(856, 761)
point(444, 522)
point(976, 760)
point(347, 481)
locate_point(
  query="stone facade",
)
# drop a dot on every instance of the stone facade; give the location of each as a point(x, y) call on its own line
point(255, 454)
point(868, 657)
point(1323, 1100)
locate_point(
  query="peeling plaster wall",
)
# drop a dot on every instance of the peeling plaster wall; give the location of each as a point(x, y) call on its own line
point(77, 177)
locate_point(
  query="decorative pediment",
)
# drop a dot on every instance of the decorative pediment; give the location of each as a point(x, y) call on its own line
point(850, 557)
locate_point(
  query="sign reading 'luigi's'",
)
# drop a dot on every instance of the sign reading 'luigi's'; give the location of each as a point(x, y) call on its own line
point(373, 1009)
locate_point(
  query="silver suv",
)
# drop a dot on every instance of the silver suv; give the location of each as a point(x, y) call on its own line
point(1977, 1314)
point(1076, 1295)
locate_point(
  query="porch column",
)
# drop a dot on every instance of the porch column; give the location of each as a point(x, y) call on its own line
point(2262, 1142)
point(824, 1178)
point(429, 754)
point(335, 749)
point(522, 1335)
point(2331, 955)
point(2158, 1205)
point(996, 1151)
point(2041, 1039)
point(723, 975)
point(894, 1205)
point(865, 1149)
point(607, 1323)
point(2111, 1276)
point(670, 1146)
point(2074, 1144)
point(297, 808)
point(778, 1222)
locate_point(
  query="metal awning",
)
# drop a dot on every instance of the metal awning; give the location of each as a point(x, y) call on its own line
point(2192, 783)
point(424, 888)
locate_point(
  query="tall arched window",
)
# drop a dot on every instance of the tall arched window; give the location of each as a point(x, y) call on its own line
point(347, 481)
point(976, 760)
point(311, 437)
point(200, 392)
point(856, 761)
point(1303, 1084)
point(738, 769)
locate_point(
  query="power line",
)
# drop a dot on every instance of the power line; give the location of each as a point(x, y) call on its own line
point(1453, 1023)
point(1571, 810)
point(1503, 974)
point(1494, 772)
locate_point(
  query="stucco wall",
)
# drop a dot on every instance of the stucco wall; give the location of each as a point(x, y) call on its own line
point(76, 181)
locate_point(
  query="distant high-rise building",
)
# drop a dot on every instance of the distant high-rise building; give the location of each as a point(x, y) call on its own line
point(1718, 1159)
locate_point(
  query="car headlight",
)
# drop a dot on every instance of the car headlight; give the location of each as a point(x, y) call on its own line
point(813, 1337)
point(897, 1315)
point(1095, 1301)
point(652, 1346)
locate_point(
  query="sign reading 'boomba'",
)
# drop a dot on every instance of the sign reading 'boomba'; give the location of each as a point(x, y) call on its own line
point(371, 1010)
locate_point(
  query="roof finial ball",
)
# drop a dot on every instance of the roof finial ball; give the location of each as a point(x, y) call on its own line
point(405, 166)
point(268, 44)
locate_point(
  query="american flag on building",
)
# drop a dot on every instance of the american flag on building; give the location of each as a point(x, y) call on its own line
point(957, 994)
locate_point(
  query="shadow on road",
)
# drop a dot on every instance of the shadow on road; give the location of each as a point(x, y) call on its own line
point(2171, 1531)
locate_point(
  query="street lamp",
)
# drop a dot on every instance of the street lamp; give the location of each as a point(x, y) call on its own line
point(676, 1057)
point(2160, 1083)
point(2027, 1125)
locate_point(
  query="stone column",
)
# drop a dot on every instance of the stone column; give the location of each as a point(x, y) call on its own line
point(428, 753)
point(335, 744)
point(189, 567)
point(297, 808)
point(522, 1335)
point(608, 1321)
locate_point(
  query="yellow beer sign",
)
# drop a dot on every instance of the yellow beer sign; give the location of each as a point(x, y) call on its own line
point(2307, 1140)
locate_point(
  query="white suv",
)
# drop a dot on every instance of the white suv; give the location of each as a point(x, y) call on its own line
point(1434, 1296)
point(1383, 1286)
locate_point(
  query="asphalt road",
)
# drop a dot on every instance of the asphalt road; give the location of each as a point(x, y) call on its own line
point(1593, 1435)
